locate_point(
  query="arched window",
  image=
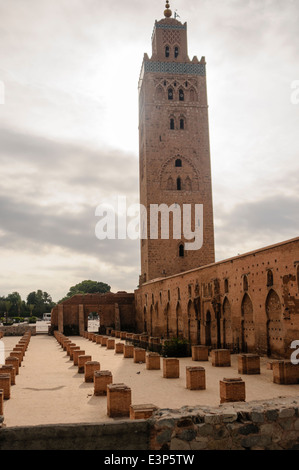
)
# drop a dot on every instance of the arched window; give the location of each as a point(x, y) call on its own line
point(167, 52)
point(176, 52)
point(170, 93)
point(179, 184)
point(182, 124)
point(226, 286)
point(192, 95)
point(188, 184)
point(170, 184)
point(181, 251)
point(269, 278)
point(172, 124)
point(245, 283)
point(178, 163)
point(181, 95)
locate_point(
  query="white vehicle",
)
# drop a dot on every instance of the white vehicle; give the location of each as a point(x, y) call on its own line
point(47, 317)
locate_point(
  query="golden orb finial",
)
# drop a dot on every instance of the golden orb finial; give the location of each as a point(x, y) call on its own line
point(167, 12)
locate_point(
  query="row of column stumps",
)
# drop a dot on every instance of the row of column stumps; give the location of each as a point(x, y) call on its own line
point(11, 369)
point(119, 398)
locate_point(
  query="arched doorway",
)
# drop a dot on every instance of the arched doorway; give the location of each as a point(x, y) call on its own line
point(247, 325)
point(226, 325)
point(275, 335)
point(179, 321)
point(144, 320)
point(208, 329)
point(166, 323)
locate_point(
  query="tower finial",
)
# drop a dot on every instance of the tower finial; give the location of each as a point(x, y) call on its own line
point(167, 12)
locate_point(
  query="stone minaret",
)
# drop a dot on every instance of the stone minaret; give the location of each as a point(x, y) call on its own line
point(174, 149)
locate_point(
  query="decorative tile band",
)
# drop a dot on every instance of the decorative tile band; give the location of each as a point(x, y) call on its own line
point(175, 68)
point(170, 26)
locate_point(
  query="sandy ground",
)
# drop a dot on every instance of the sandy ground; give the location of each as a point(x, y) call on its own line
point(49, 389)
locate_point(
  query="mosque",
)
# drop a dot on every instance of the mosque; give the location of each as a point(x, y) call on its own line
point(249, 303)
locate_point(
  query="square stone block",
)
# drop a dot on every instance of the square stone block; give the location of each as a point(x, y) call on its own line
point(142, 411)
point(119, 398)
point(89, 368)
point(81, 363)
point(128, 351)
point(5, 383)
point(110, 343)
point(153, 361)
point(119, 348)
point(232, 390)
point(76, 354)
point(249, 364)
point(200, 353)
point(195, 378)
point(285, 373)
point(171, 368)
point(139, 355)
point(102, 378)
point(221, 358)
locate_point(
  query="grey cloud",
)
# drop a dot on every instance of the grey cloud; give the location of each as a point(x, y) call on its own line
point(257, 224)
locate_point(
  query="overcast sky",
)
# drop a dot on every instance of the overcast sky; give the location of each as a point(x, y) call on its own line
point(69, 130)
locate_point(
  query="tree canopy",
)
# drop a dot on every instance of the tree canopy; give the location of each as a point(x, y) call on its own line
point(87, 287)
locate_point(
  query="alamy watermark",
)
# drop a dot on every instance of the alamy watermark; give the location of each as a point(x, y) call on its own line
point(2, 353)
point(120, 221)
point(295, 354)
point(295, 93)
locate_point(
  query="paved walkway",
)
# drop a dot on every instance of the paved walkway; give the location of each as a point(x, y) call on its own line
point(49, 389)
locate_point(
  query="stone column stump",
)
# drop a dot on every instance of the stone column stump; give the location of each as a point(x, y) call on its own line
point(153, 361)
point(119, 348)
point(14, 361)
point(142, 411)
point(110, 343)
point(249, 364)
point(5, 383)
point(119, 399)
point(221, 358)
point(128, 350)
point(171, 368)
point(76, 354)
point(139, 355)
point(232, 390)
point(81, 363)
point(102, 378)
point(9, 369)
point(89, 369)
point(200, 353)
point(195, 378)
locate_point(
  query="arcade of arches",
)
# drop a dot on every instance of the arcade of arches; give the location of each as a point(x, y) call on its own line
point(249, 303)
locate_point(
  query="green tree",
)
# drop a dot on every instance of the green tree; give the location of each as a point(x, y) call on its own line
point(42, 302)
point(31, 308)
point(87, 287)
point(8, 306)
point(14, 298)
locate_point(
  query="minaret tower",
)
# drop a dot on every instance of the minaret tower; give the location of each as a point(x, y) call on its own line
point(174, 147)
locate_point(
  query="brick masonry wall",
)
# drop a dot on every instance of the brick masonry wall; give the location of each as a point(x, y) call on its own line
point(17, 330)
point(103, 304)
point(249, 303)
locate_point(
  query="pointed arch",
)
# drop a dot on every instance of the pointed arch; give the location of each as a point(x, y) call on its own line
point(275, 328)
point(227, 339)
point(247, 325)
point(159, 93)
